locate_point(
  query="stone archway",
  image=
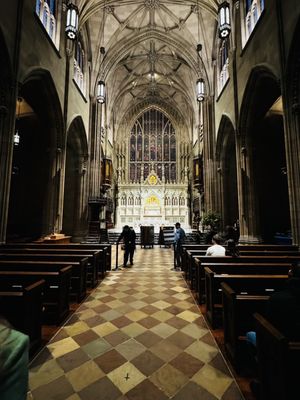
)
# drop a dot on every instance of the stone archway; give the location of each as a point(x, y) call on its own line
point(227, 172)
point(263, 165)
point(75, 196)
point(34, 194)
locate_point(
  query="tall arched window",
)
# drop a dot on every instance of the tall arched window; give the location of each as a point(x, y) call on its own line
point(252, 13)
point(152, 147)
point(47, 11)
point(223, 64)
point(79, 66)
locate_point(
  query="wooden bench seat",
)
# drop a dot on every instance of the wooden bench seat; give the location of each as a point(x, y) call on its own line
point(239, 268)
point(262, 284)
point(21, 305)
point(278, 362)
point(82, 246)
point(56, 288)
point(238, 310)
point(95, 264)
point(79, 268)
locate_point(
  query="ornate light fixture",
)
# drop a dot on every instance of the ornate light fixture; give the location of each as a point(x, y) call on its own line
point(200, 89)
point(16, 135)
point(101, 92)
point(224, 20)
point(72, 21)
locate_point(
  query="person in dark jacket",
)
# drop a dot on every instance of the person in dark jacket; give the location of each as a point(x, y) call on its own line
point(128, 235)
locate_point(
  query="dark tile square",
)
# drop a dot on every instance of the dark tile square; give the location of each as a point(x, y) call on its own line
point(43, 357)
point(101, 308)
point(116, 338)
point(149, 322)
point(177, 322)
point(149, 309)
point(192, 391)
point(103, 389)
point(121, 322)
point(187, 364)
point(110, 361)
point(148, 339)
point(147, 362)
point(219, 363)
point(72, 360)
point(107, 299)
point(95, 321)
point(174, 310)
point(180, 339)
point(59, 389)
point(61, 334)
point(85, 337)
point(208, 339)
point(232, 393)
point(150, 299)
point(146, 391)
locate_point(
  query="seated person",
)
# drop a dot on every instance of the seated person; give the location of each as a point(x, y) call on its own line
point(232, 249)
point(14, 347)
point(216, 250)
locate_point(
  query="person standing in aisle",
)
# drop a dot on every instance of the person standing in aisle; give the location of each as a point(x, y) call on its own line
point(178, 241)
point(128, 235)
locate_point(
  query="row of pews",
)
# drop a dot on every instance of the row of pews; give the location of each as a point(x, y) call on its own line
point(234, 291)
point(38, 281)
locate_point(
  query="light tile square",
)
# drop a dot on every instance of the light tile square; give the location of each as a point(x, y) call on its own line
point(62, 347)
point(126, 377)
point(213, 380)
point(105, 329)
point(163, 330)
point(202, 351)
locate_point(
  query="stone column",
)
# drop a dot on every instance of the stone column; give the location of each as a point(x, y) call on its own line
point(248, 207)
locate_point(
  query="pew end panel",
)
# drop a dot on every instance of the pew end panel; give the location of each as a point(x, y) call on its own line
point(278, 362)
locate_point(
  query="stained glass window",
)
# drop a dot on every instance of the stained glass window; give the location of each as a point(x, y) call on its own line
point(153, 145)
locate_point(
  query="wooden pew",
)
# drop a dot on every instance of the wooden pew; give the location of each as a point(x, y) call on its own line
point(79, 268)
point(95, 266)
point(82, 246)
point(199, 260)
point(278, 362)
point(251, 257)
point(238, 310)
point(242, 269)
point(190, 251)
point(262, 284)
point(21, 305)
point(56, 287)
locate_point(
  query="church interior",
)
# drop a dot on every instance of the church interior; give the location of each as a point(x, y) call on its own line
point(146, 114)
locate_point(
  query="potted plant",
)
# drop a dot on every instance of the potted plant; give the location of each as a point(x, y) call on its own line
point(211, 220)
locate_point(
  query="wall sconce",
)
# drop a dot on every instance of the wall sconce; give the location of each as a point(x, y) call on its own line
point(72, 21)
point(224, 20)
point(200, 89)
point(101, 92)
point(18, 113)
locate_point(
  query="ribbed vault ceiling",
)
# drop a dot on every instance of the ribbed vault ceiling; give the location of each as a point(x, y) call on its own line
point(150, 51)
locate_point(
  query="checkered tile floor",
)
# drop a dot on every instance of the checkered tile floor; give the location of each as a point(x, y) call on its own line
point(138, 336)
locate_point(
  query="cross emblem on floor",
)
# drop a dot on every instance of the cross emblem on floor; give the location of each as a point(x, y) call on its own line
point(126, 377)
